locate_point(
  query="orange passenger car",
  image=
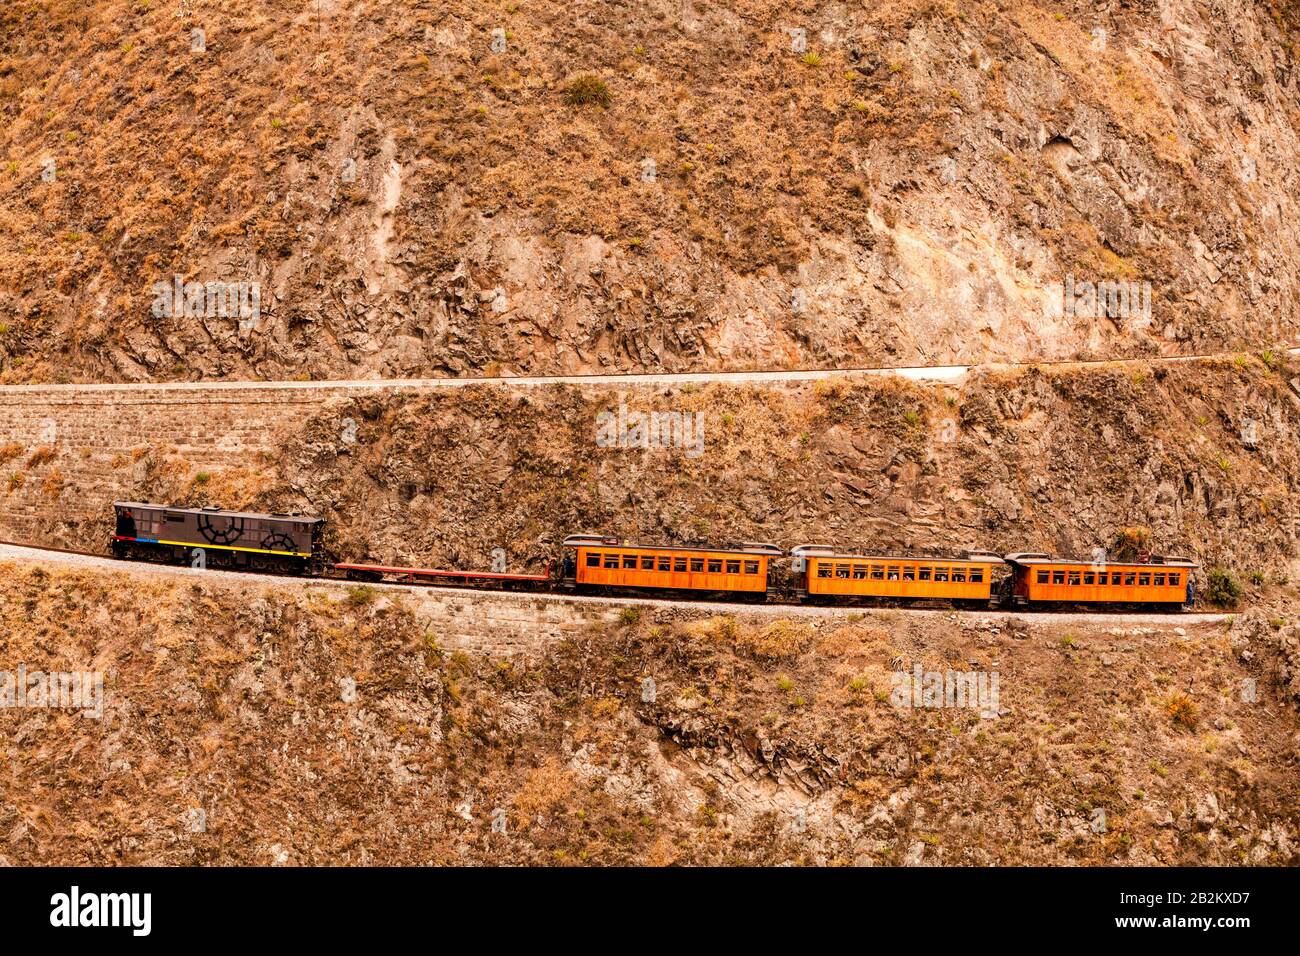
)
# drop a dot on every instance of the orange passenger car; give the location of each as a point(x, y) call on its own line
point(1042, 578)
point(968, 577)
point(607, 562)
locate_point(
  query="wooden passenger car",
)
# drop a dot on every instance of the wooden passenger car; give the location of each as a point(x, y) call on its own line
point(1040, 578)
point(606, 562)
point(827, 573)
point(231, 537)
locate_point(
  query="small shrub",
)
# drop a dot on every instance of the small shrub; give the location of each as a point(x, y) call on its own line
point(1222, 589)
point(40, 456)
point(629, 615)
point(588, 90)
point(811, 59)
point(1182, 710)
point(780, 639)
point(360, 595)
point(784, 684)
point(202, 478)
point(52, 486)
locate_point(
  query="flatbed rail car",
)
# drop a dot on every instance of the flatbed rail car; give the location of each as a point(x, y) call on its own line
point(825, 574)
point(606, 562)
point(231, 538)
point(471, 579)
point(1040, 580)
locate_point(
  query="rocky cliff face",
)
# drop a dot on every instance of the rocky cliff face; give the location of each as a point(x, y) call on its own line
point(1198, 458)
point(419, 188)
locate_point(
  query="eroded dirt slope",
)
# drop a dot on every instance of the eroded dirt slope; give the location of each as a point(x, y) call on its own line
point(268, 726)
point(905, 183)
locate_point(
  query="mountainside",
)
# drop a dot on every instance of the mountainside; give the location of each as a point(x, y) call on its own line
point(283, 726)
point(428, 188)
point(1200, 458)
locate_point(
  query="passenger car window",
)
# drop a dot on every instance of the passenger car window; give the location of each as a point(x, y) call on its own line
point(593, 559)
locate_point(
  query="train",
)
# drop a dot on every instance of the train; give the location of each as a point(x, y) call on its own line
point(747, 571)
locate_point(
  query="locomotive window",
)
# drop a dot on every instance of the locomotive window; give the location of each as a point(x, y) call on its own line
point(959, 574)
point(1058, 577)
point(679, 564)
point(1074, 578)
point(611, 560)
point(1089, 577)
point(1144, 580)
point(976, 575)
point(697, 564)
point(925, 574)
point(647, 562)
point(665, 563)
point(593, 559)
point(1042, 577)
point(715, 565)
point(877, 573)
point(823, 569)
point(859, 572)
point(941, 574)
point(1160, 580)
point(909, 574)
point(1173, 580)
point(174, 517)
point(751, 567)
point(733, 567)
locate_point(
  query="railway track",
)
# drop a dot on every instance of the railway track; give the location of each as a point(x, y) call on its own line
point(940, 373)
point(27, 553)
